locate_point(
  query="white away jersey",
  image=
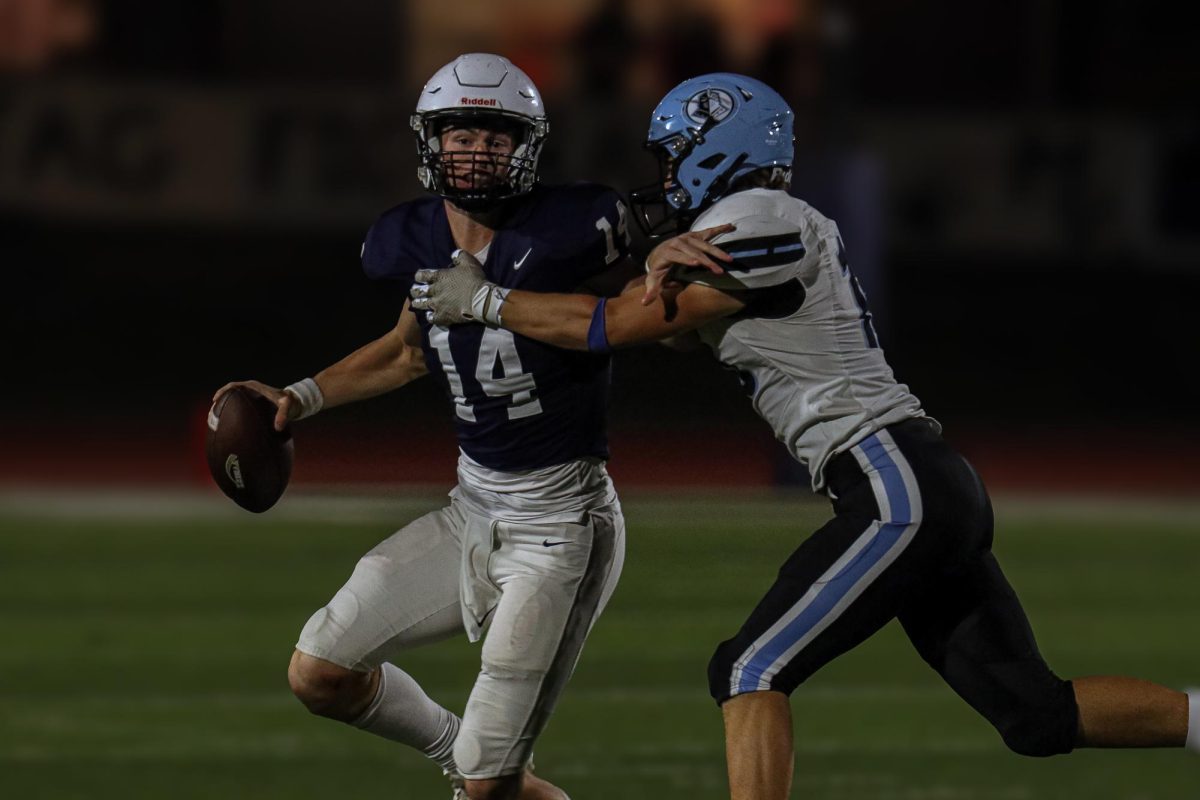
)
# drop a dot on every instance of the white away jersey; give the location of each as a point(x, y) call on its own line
point(806, 348)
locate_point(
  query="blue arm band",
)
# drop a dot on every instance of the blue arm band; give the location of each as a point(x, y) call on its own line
point(597, 332)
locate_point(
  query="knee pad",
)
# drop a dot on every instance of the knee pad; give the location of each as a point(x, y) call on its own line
point(468, 752)
point(491, 750)
point(516, 647)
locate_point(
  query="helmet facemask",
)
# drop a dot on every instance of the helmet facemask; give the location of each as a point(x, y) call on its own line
point(478, 180)
point(658, 207)
point(668, 206)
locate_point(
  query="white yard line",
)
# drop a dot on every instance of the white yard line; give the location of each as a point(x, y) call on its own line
point(269, 700)
point(697, 509)
point(635, 759)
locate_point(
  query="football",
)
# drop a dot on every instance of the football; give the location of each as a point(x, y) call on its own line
point(248, 458)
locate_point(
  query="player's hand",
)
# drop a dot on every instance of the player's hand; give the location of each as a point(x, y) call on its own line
point(458, 293)
point(286, 407)
point(691, 249)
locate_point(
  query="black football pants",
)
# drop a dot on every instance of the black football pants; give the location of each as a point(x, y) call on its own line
point(911, 540)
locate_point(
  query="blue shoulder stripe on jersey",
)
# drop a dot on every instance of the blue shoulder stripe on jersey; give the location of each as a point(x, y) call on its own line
point(765, 251)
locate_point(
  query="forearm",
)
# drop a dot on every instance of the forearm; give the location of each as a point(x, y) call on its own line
point(461, 293)
point(374, 369)
point(562, 320)
point(571, 321)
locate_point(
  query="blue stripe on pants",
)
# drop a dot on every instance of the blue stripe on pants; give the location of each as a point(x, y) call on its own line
point(900, 514)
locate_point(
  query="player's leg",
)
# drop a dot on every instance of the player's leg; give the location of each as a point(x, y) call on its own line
point(1116, 711)
point(330, 690)
point(841, 585)
point(402, 594)
point(969, 625)
point(966, 622)
point(554, 581)
point(817, 609)
point(758, 744)
point(521, 786)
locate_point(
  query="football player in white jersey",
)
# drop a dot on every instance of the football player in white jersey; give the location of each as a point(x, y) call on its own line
point(763, 279)
point(530, 547)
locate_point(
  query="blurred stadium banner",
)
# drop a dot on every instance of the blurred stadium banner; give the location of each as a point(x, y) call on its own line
point(1041, 185)
point(169, 154)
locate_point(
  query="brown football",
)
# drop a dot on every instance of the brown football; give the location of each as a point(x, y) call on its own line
point(248, 458)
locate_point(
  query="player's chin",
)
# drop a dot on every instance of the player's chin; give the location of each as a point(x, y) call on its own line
point(475, 180)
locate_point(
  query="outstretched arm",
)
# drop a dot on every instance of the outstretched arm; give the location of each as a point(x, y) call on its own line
point(461, 293)
point(573, 321)
point(381, 366)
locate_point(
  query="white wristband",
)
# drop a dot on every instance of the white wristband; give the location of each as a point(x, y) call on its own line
point(308, 395)
point(487, 302)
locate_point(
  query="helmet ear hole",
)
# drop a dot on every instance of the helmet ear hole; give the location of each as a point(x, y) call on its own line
point(712, 161)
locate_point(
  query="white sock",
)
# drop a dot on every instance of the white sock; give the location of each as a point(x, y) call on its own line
point(1193, 735)
point(402, 712)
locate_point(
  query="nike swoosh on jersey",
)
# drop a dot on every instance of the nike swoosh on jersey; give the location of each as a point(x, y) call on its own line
point(548, 543)
point(517, 264)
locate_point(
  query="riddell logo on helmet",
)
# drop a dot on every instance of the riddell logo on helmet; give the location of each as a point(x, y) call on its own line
point(477, 101)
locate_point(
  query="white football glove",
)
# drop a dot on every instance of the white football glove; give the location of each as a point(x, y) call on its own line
point(458, 293)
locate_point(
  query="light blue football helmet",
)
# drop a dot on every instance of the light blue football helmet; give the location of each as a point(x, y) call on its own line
point(707, 133)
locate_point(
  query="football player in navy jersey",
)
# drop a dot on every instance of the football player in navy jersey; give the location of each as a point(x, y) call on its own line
point(763, 279)
point(530, 547)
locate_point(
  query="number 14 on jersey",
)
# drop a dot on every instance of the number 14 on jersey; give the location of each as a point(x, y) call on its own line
point(497, 348)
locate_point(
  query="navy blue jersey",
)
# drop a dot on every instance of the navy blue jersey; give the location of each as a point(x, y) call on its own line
point(519, 404)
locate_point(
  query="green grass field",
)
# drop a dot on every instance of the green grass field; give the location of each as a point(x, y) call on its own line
point(144, 646)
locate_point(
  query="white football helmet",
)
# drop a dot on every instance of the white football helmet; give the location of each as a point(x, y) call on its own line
point(487, 91)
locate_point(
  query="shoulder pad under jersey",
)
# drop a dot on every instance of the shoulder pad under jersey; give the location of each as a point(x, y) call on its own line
point(583, 219)
point(401, 241)
point(767, 245)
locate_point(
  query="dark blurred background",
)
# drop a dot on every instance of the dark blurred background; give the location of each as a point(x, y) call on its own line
point(184, 187)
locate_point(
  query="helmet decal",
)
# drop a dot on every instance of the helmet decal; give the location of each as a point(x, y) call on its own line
point(709, 104)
